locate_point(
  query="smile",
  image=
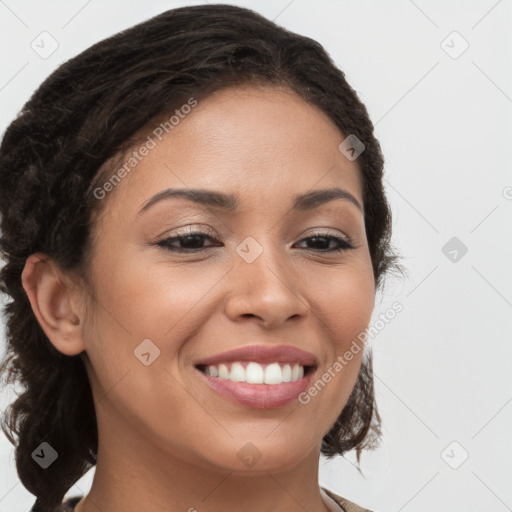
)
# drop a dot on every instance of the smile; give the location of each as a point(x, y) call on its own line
point(261, 386)
point(256, 373)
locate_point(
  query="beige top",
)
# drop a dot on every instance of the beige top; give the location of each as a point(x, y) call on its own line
point(333, 501)
point(338, 504)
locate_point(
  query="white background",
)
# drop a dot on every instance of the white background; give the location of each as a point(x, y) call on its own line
point(443, 365)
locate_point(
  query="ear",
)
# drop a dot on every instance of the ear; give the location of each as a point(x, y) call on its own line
point(55, 303)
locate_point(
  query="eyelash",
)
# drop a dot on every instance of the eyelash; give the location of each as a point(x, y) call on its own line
point(344, 244)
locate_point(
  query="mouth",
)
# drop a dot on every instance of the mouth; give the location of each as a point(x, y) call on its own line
point(252, 372)
point(255, 385)
point(259, 376)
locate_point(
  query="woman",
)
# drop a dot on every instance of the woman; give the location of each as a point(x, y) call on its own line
point(194, 228)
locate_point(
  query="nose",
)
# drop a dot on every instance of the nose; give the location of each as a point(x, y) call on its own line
point(267, 290)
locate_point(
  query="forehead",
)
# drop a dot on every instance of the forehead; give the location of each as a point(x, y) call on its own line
point(260, 142)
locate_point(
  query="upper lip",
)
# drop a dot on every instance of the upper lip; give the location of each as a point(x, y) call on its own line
point(263, 354)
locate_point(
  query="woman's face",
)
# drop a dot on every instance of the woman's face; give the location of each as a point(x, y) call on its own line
point(255, 275)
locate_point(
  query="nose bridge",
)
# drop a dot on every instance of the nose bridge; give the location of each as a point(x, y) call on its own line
point(265, 285)
point(264, 259)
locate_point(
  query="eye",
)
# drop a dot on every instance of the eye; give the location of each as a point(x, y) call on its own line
point(190, 240)
point(193, 241)
point(324, 240)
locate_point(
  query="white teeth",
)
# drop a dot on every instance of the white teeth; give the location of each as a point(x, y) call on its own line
point(297, 372)
point(237, 373)
point(223, 372)
point(255, 373)
point(287, 373)
point(273, 374)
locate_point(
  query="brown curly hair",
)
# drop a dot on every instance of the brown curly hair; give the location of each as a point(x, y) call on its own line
point(79, 119)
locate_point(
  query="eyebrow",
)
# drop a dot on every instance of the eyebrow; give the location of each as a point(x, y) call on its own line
point(229, 202)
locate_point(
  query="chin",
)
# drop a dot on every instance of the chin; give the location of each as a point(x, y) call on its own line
point(260, 456)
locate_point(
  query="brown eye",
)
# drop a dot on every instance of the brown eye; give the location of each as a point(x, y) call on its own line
point(323, 243)
point(190, 242)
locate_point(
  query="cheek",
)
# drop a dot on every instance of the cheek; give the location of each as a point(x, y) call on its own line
point(137, 301)
point(147, 299)
point(344, 301)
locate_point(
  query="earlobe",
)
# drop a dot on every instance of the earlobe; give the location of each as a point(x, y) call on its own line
point(50, 296)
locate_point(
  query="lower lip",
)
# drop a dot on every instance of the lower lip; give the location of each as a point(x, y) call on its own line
point(259, 396)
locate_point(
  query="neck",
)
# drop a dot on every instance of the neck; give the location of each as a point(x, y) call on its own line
point(133, 474)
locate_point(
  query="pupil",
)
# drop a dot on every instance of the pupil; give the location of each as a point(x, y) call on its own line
point(195, 241)
point(325, 243)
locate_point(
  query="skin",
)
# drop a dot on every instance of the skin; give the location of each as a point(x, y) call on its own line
point(167, 441)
